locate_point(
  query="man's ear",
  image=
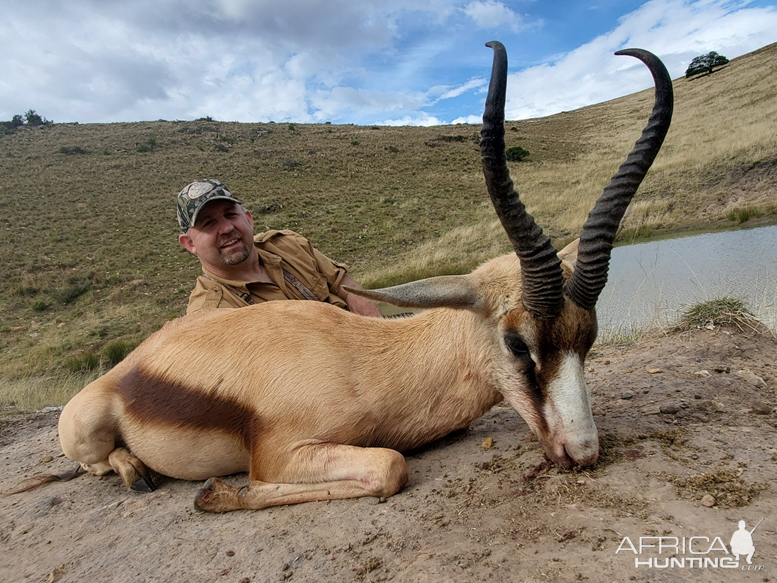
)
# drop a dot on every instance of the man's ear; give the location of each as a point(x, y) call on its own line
point(250, 218)
point(187, 243)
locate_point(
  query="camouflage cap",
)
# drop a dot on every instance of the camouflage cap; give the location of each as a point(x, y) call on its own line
point(196, 195)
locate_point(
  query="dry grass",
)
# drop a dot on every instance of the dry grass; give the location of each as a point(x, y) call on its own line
point(89, 249)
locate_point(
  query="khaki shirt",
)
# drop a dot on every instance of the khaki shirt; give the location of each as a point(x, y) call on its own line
point(279, 251)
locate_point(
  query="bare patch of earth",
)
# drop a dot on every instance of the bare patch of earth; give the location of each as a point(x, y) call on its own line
point(687, 428)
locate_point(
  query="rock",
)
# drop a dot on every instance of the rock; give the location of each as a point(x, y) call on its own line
point(703, 373)
point(652, 410)
point(670, 409)
point(751, 378)
point(627, 396)
point(708, 500)
point(761, 408)
point(488, 443)
point(655, 370)
point(712, 406)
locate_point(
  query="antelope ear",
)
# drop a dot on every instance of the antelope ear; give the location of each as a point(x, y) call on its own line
point(447, 291)
point(568, 254)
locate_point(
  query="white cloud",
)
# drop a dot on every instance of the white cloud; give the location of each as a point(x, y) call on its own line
point(444, 92)
point(674, 30)
point(493, 15)
point(333, 60)
point(419, 119)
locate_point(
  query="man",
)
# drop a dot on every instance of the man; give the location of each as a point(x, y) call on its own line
point(239, 269)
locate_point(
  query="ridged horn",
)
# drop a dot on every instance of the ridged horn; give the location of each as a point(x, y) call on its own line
point(596, 239)
point(540, 266)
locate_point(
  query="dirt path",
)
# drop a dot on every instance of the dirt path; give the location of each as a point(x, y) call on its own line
point(679, 426)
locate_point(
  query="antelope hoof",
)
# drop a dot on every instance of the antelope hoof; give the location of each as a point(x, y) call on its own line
point(210, 498)
point(143, 484)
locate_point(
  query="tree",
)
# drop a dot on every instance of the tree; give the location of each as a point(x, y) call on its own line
point(33, 119)
point(705, 63)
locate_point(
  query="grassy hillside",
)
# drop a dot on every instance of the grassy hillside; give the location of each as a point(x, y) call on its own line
point(89, 252)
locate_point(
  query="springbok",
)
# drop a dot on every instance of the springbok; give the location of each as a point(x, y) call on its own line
point(316, 403)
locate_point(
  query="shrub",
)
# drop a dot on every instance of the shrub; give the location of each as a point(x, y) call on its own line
point(725, 311)
point(85, 362)
point(516, 154)
point(742, 214)
point(71, 150)
point(291, 164)
point(39, 305)
point(77, 286)
point(117, 351)
point(147, 146)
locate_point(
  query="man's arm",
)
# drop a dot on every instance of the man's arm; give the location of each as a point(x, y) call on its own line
point(357, 304)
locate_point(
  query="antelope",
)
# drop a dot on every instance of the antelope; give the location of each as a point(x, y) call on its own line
point(316, 403)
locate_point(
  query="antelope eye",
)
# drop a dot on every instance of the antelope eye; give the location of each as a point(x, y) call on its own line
point(517, 346)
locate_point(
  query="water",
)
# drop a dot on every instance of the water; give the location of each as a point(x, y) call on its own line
point(653, 283)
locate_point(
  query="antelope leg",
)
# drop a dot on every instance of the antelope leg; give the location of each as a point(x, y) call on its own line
point(315, 472)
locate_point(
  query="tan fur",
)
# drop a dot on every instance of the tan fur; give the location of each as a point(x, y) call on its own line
point(307, 394)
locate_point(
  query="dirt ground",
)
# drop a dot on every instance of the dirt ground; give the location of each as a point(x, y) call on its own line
point(687, 425)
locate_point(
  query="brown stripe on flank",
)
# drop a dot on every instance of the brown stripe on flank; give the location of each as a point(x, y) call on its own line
point(149, 398)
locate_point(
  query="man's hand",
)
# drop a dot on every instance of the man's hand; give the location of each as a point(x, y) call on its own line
point(358, 304)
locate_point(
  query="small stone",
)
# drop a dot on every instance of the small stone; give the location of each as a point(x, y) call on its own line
point(61, 325)
point(708, 500)
point(46, 459)
point(488, 443)
point(761, 408)
point(654, 370)
point(669, 409)
point(752, 378)
point(702, 374)
point(230, 553)
point(627, 396)
point(711, 406)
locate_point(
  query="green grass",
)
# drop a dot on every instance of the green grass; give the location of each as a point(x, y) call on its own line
point(88, 236)
point(720, 312)
point(741, 215)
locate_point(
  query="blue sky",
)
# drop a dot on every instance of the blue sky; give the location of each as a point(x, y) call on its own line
point(397, 62)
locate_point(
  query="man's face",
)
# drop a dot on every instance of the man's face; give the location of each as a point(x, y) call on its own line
point(222, 234)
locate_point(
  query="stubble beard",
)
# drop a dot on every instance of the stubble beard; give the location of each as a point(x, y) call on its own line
point(236, 257)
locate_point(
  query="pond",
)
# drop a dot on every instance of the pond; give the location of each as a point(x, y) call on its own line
point(653, 283)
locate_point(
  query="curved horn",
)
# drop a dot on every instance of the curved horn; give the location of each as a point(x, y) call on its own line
point(596, 239)
point(540, 266)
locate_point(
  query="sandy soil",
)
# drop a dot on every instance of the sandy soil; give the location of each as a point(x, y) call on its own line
point(687, 427)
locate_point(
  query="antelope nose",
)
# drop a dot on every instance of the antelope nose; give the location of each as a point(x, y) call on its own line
point(584, 453)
